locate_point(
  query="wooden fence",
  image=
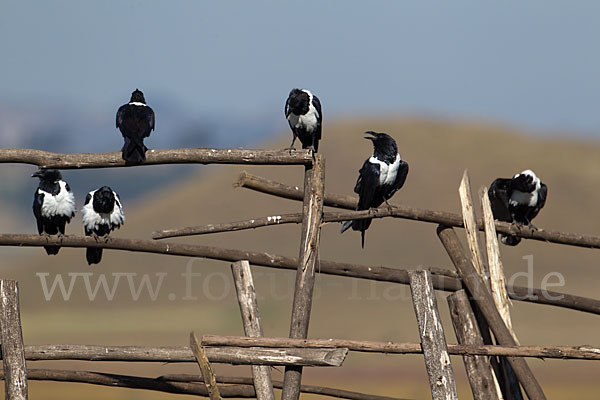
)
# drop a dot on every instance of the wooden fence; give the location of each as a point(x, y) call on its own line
point(494, 361)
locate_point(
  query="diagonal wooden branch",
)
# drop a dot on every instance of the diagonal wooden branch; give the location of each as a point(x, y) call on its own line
point(280, 219)
point(267, 186)
point(483, 298)
point(225, 355)
point(44, 159)
point(442, 280)
point(208, 376)
point(237, 387)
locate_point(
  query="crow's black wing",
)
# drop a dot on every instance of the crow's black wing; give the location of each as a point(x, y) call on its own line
point(38, 200)
point(286, 110)
point(499, 194)
point(120, 114)
point(367, 186)
point(150, 119)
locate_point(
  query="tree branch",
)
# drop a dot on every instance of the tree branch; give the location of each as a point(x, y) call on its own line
point(267, 186)
point(183, 384)
point(442, 280)
point(227, 355)
point(562, 352)
point(44, 159)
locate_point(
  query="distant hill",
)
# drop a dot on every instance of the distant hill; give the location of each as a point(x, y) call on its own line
point(438, 152)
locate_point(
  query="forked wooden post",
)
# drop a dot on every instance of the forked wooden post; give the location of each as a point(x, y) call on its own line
point(13, 353)
point(244, 286)
point(486, 305)
point(433, 341)
point(312, 209)
point(467, 332)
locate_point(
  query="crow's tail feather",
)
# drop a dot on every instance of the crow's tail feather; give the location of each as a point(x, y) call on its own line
point(93, 255)
point(134, 152)
point(52, 250)
point(346, 225)
point(510, 240)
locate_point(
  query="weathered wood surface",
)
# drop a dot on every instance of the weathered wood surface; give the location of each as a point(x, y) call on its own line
point(11, 336)
point(497, 278)
point(442, 280)
point(208, 376)
point(238, 387)
point(433, 341)
point(484, 301)
point(467, 332)
point(44, 159)
point(469, 221)
point(274, 188)
point(225, 355)
point(561, 352)
point(312, 210)
point(246, 294)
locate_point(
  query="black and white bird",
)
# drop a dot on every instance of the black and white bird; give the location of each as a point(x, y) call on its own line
point(101, 214)
point(303, 113)
point(517, 200)
point(379, 178)
point(53, 205)
point(135, 120)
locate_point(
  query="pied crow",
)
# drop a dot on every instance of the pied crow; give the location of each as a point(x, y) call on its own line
point(303, 113)
point(379, 178)
point(53, 205)
point(135, 120)
point(517, 200)
point(101, 213)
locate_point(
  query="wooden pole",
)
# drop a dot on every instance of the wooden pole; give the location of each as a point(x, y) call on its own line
point(11, 335)
point(207, 373)
point(441, 280)
point(44, 159)
point(314, 187)
point(433, 341)
point(418, 214)
point(484, 300)
point(224, 355)
point(244, 286)
point(467, 332)
point(236, 386)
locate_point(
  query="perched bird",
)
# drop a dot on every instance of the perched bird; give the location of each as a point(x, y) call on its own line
point(379, 178)
point(517, 200)
point(101, 214)
point(53, 205)
point(303, 112)
point(135, 120)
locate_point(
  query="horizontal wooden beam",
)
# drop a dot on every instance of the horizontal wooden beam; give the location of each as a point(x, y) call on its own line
point(560, 352)
point(274, 188)
point(238, 387)
point(44, 159)
point(226, 355)
point(442, 280)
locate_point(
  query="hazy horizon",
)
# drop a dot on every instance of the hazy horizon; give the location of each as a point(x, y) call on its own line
point(526, 64)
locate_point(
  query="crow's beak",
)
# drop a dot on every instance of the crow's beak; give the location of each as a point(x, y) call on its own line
point(373, 137)
point(36, 174)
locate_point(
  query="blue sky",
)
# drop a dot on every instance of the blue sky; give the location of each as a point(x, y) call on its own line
point(529, 63)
